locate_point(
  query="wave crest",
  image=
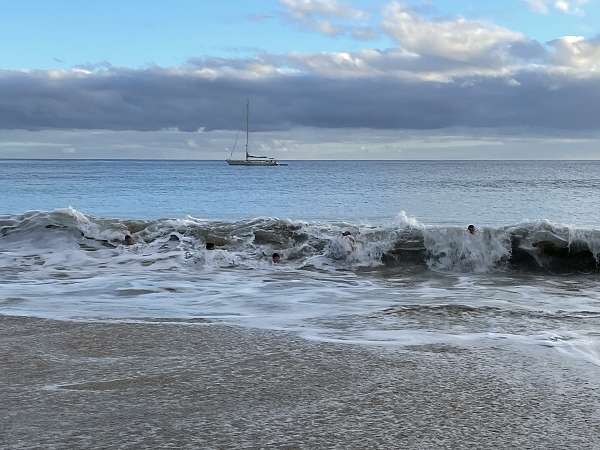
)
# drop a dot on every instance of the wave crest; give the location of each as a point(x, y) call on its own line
point(405, 244)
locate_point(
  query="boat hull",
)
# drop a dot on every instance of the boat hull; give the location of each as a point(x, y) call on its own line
point(243, 162)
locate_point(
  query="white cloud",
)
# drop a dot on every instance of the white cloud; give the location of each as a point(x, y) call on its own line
point(538, 6)
point(302, 9)
point(574, 7)
point(329, 17)
point(326, 27)
point(392, 63)
point(576, 52)
point(449, 49)
point(425, 49)
point(458, 39)
point(440, 50)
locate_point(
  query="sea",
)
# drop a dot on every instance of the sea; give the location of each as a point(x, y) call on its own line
point(372, 252)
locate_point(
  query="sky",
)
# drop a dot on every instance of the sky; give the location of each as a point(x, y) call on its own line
point(327, 79)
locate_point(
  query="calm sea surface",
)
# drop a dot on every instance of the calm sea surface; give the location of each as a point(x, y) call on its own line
point(484, 192)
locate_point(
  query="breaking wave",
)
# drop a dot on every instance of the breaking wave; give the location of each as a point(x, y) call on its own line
point(402, 244)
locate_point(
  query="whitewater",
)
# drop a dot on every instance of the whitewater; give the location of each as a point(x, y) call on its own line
point(399, 283)
point(372, 252)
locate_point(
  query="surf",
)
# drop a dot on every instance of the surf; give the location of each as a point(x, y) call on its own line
point(401, 244)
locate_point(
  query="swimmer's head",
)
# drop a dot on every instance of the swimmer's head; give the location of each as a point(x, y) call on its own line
point(276, 258)
point(471, 229)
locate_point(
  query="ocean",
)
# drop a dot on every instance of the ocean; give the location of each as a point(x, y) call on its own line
point(408, 273)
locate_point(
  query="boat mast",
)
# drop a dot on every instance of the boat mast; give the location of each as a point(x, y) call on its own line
point(247, 125)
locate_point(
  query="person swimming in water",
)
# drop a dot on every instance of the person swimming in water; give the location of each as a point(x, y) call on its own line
point(128, 240)
point(347, 235)
point(471, 229)
point(276, 258)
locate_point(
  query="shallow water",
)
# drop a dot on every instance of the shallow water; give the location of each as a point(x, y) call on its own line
point(400, 279)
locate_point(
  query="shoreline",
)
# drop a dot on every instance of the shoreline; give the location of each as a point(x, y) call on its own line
point(132, 385)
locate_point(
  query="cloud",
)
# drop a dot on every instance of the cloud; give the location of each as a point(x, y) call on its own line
point(303, 143)
point(156, 98)
point(439, 73)
point(538, 6)
point(329, 17)
point(574, 7)
point(302, 9)
point(577, 53)
point(458, 39)
point(429, 50)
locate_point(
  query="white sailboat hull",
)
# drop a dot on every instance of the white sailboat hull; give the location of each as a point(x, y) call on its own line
point(243, 162)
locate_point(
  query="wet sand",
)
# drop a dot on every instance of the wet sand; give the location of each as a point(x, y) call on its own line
point(92, 385)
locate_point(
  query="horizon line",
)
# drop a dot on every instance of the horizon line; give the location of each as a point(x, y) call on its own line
point(304, 160)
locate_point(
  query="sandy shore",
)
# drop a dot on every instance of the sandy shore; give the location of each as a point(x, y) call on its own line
point(82, 385)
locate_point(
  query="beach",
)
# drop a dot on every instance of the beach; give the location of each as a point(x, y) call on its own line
point(199, 385)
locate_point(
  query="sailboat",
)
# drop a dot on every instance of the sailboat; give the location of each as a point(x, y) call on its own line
point(252, 160)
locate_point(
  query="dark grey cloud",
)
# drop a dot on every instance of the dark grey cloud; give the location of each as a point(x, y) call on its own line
point(156, 98)
point(528, 50)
